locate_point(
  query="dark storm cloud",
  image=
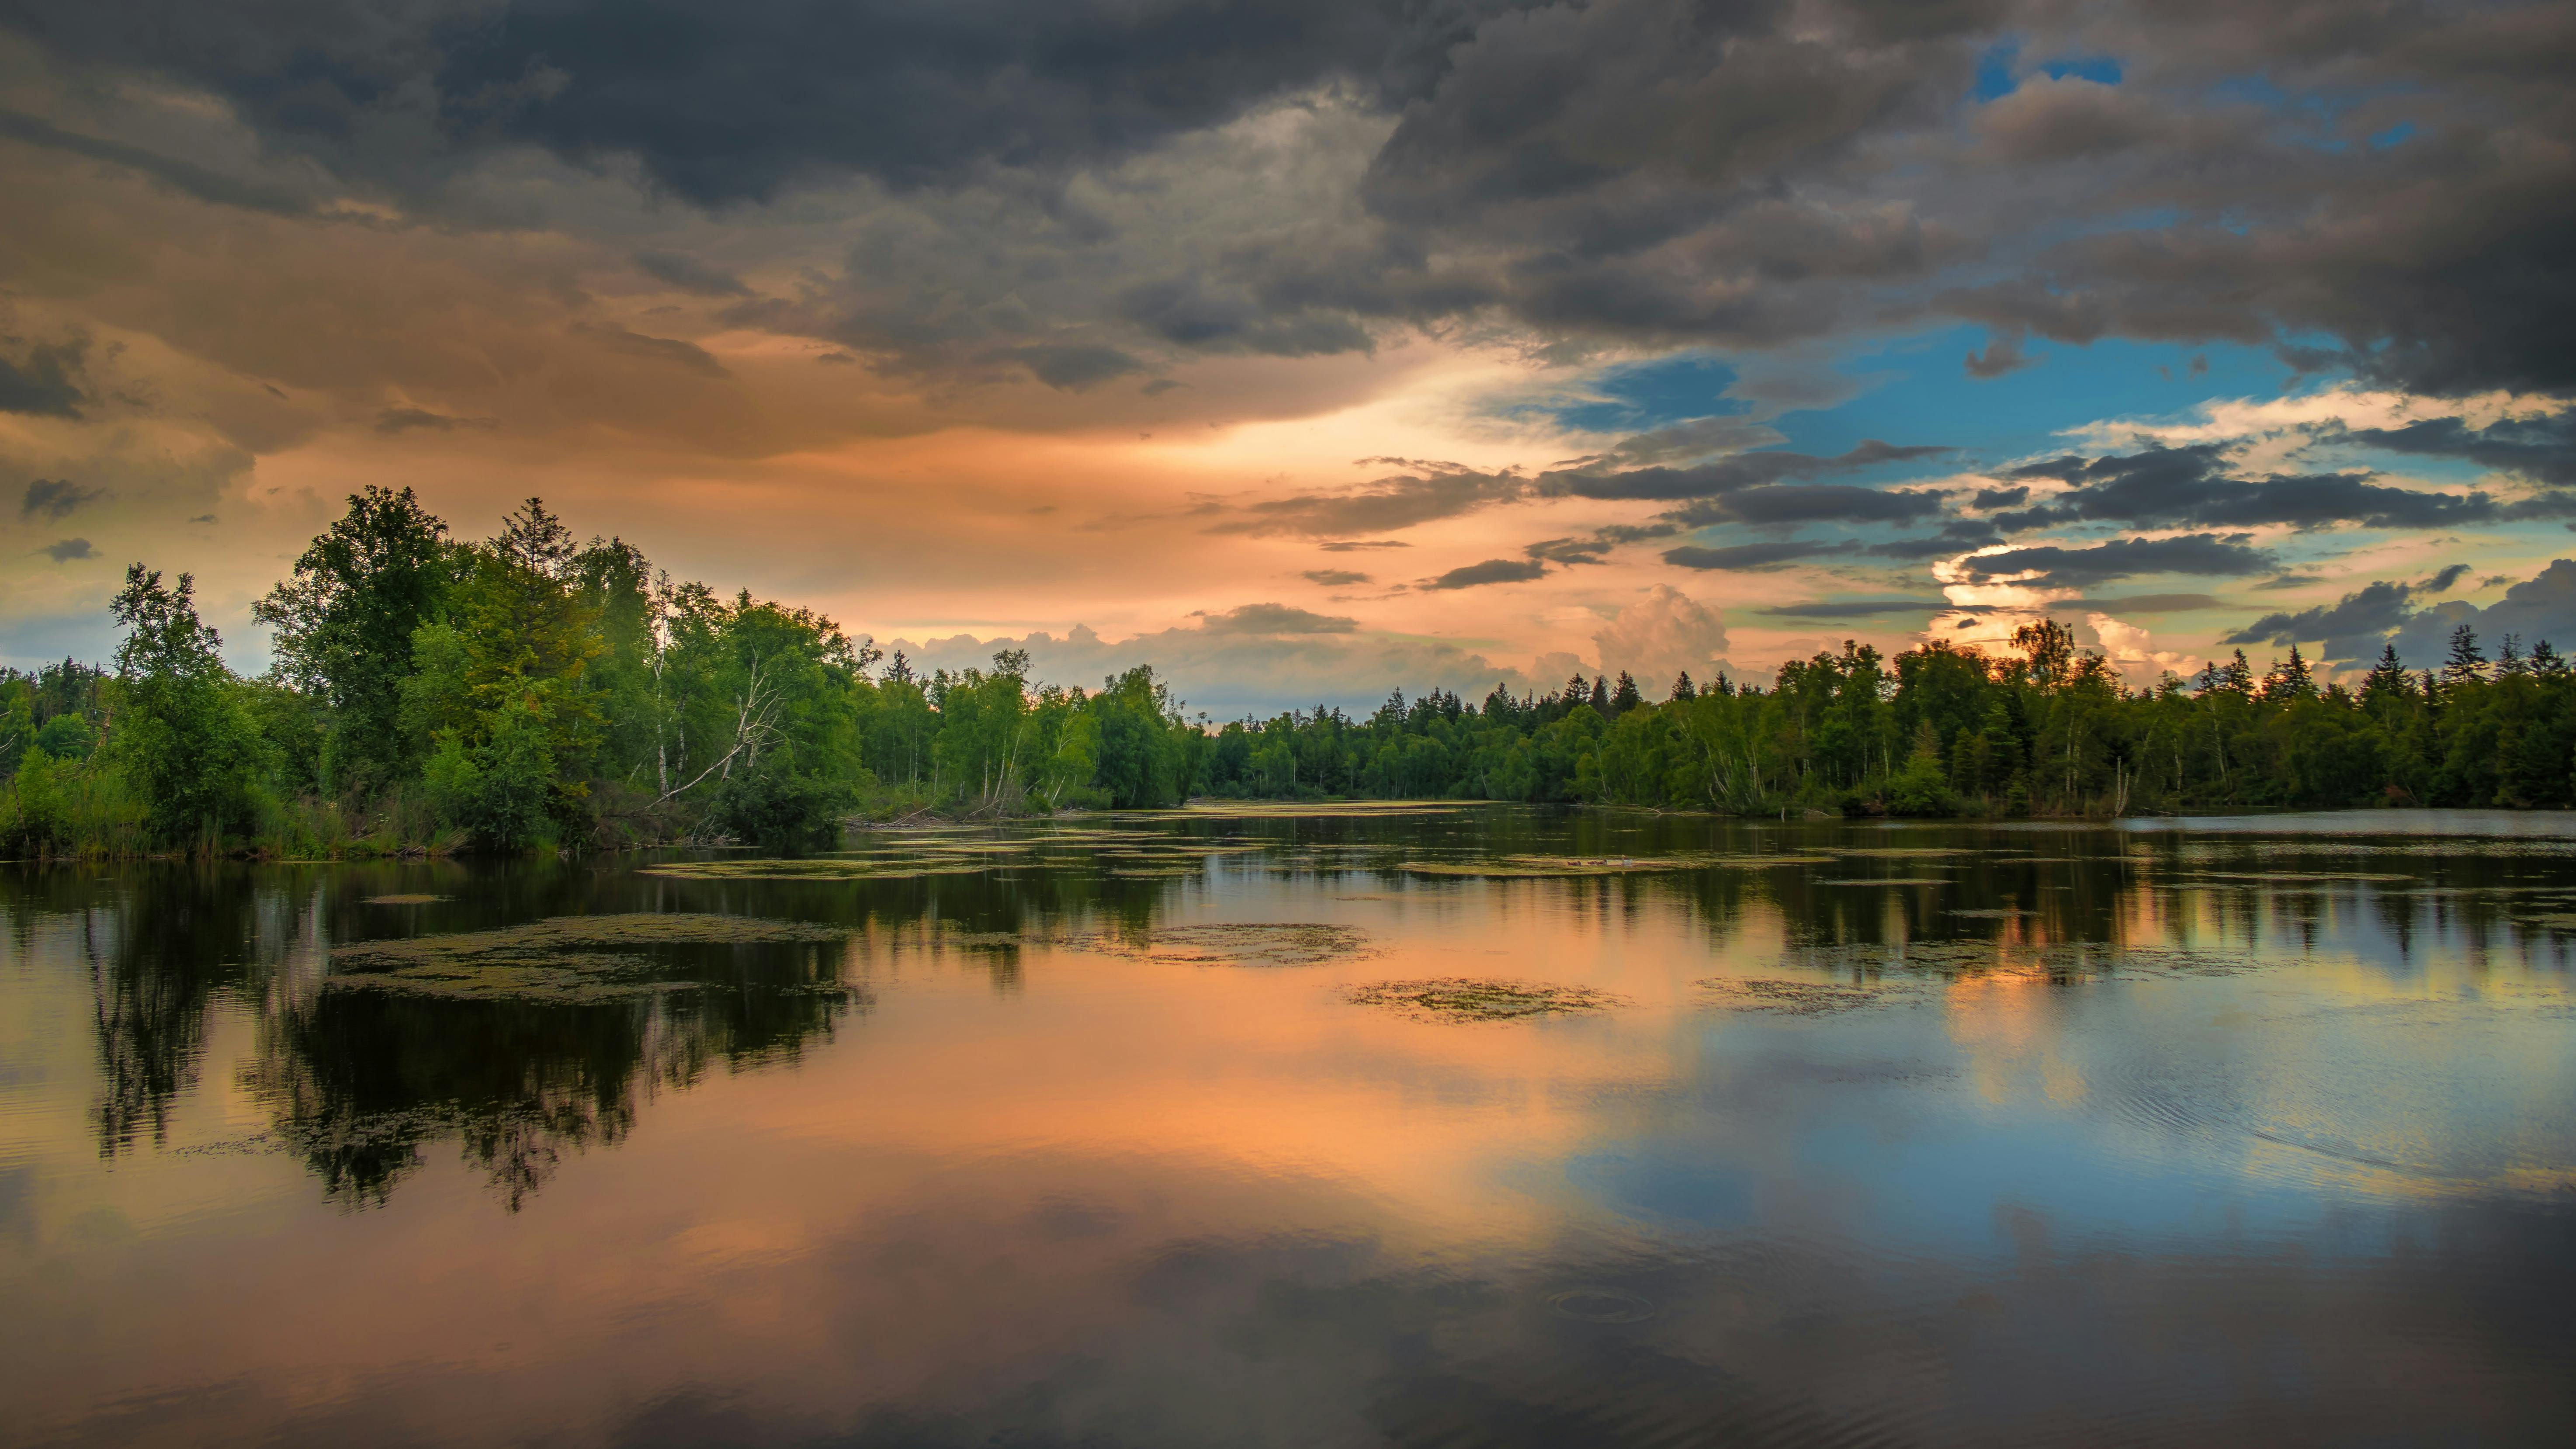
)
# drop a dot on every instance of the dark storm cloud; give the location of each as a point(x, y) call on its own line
point(727, 100)
point(1335, 578)
point(1491, 571)
point(2373, 610)
point(1071, 367)
point(1789, 503)
point(1569, 550)
point(2190, 487)
point(393, 422)
point(1436, 491)
point(688, 355)
point(2002, 354)
point(1647, 172)
point(2058, 565)
point(2540, 607)
point(55, 499)
point(68, 550)
point(1751, 555)
point(1853, 608)
point(2539, 448)
point(2356, 627)
point(45, 381)
point(691, 275)
point(178, 175)
point(1275, 619)
point(1725, 475)
point(1956, 537)
point(1695, 438)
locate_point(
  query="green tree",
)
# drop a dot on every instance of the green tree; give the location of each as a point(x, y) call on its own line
point(343, 623)
point(181, 732)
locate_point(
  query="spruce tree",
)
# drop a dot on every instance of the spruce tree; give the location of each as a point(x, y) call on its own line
point(1683, 689)
point(2467, 661)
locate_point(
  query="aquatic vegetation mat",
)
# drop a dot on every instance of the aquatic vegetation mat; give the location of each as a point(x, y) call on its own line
point(1315, 810)
point(1799, 998)
point(1560, 867)
point(1466, 998)
point(1952, 959)
point(567, 958)
point(822, 868)
point(1234, 943)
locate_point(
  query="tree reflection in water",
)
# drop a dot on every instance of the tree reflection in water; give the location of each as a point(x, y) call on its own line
point(361, 1080)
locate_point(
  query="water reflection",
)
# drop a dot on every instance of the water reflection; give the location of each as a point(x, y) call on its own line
point(1958, 1136)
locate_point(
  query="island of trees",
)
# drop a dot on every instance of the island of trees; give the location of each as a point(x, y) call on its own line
point(531, 692)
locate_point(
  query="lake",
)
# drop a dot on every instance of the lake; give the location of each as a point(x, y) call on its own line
point(1455, 1126)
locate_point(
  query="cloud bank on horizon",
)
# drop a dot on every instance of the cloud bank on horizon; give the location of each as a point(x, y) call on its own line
point(1666, 335)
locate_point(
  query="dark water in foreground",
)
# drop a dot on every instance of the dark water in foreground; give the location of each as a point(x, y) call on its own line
point(1917, 1135)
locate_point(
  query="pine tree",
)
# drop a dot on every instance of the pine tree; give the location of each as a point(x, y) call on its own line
point(1625, 697)
point(1601, 696)
point(2237, 675)
point(2546, 661)
point(2509, 660)
point(2290, 680)
point(2467, 662)
point(2388, 681)
point(1683, 688)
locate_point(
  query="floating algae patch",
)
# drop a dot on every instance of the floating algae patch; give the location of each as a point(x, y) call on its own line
point(413, 900)
point(1798, 998)
point(1952, 959)
point(1318, 810)
point(1555, 867)
point(1235, 943)
point(567, 958)
point(2283, 877)
point(822, 868)
point(1466, 998)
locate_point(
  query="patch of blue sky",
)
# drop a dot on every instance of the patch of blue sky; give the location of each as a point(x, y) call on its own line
point(1633, 397)
point(2396, 135)
point(2100, 69)
point(1995, 74)
point(1920, 393)
point(45, 639)
point(1999, 72)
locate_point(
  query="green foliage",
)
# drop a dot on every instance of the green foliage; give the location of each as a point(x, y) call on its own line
point(529, 691)
point(66, 737)
point(1943, 730)
point(342, 632)
point(781, 809)
point(501, 789)
point(184, 734)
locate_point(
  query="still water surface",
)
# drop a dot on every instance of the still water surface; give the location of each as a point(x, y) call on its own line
point(1150, 1132)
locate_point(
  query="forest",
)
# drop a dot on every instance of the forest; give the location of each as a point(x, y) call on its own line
point(530, 692)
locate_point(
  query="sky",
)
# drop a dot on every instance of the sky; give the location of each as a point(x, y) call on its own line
point(1309, 349)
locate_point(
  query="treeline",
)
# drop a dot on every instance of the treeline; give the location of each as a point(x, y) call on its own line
point(528, 691)
point(1940, 730)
